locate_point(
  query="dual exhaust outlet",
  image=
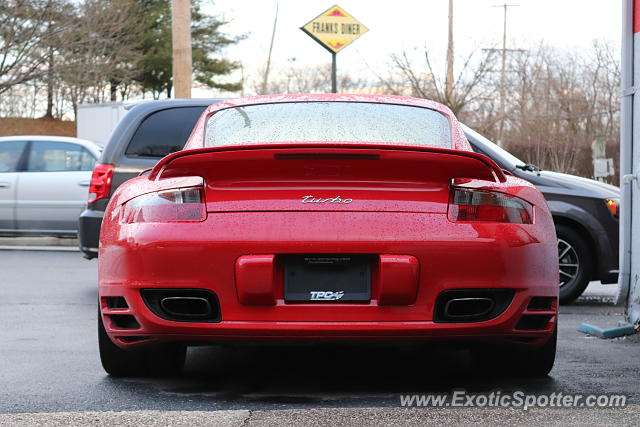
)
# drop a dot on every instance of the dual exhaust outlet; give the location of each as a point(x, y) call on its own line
point(183, 305)
point(452, 306)
point(190, 307)
point(471, 305)
point(186, 307)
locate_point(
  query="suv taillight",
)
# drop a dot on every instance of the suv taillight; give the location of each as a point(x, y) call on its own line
point(100, 186)
point(614, 207)
point(482, 205)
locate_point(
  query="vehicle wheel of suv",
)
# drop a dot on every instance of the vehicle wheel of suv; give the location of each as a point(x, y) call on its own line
point(156, 361)
point(575, 262)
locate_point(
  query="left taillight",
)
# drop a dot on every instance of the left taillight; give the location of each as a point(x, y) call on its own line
point(180, 204)
point(100, 186)
point(471, 205)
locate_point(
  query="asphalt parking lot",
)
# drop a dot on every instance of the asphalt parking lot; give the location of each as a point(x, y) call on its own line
point(49, 363)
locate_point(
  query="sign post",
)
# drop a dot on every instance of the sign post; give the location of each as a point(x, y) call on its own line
point(334, 29)
point(334, 74)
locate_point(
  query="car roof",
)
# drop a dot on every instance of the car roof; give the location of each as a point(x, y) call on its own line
point(151, 106)
point(90, 145)
point(49, 138)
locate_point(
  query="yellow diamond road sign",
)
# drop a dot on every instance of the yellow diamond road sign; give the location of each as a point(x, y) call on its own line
point(334, 29)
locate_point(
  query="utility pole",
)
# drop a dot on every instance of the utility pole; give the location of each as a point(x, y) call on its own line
point(503, 70)
point(181, 41)
point(265, 80)
point(449, 80)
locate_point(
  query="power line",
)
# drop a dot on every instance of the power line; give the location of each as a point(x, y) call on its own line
point(265, 80)
point(505, 6)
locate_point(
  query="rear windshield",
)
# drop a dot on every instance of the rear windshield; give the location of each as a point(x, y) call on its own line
point(328, 121)
point(163, 132)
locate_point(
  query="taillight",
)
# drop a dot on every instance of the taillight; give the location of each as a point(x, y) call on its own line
point(613, 205)
point(483, 205)
point(181, 204)
point(100, 186)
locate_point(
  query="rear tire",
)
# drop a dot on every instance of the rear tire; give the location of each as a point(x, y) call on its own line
point(576, 264)
point(156, 361)
point(538, 362)
point(492, 361)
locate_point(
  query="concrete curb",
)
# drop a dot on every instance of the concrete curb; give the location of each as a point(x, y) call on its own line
point(40, 248)
point(622, 329)
point(379, 417)
point(230, 418)
point(38, 241)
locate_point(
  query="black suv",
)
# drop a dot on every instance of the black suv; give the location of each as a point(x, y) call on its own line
point(585, 211)
point(148, 132)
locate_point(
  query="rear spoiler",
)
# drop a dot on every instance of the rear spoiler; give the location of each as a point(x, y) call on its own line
point(164, 164)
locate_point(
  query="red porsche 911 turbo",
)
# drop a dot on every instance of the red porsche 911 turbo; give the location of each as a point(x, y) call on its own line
point(326, 217)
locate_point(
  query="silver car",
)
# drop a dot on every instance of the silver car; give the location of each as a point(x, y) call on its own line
point(44, 182)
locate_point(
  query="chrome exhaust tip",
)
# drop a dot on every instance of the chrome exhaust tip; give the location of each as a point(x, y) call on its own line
point(462, 308)
point(186, 307)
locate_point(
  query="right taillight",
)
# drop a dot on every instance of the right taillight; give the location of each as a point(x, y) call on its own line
point(100, 186)
point(482, 205)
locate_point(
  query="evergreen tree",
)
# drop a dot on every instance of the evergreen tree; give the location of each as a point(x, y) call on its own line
point(207, 43)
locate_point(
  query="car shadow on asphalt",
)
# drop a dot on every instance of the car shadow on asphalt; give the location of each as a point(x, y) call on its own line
point(313, 373)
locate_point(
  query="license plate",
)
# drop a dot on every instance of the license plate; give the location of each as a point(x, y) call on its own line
point(327, 278)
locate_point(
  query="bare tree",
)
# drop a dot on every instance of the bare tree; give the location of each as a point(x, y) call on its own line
point(60, 20)
point(24, 29)
point(559, 102)
point(556, 102)
point(307, 79)
point(100, 52)
point(470, 86)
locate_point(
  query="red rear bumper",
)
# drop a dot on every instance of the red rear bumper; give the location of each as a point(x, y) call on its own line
point(420, 256)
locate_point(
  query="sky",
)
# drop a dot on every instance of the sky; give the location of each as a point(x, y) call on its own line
point(411, 25)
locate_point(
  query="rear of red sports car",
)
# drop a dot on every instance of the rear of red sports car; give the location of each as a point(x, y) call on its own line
point(327, 217)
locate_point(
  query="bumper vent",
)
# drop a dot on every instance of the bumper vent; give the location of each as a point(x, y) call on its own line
point(133, 339)
point(124, 321)
point(542, 304)
point(534, 322)
point(116, 303)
